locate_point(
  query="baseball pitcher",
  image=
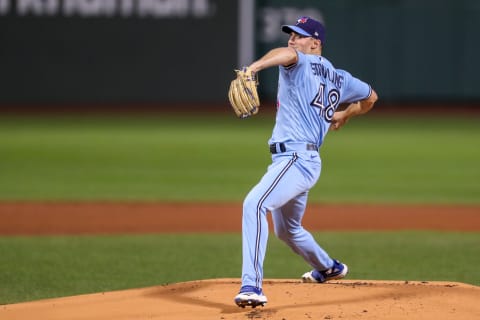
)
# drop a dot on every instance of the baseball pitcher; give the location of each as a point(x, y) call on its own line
point(310, 90)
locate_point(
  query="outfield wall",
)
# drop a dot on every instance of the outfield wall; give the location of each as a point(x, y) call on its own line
point(77, 52)
point(108, 51)
point(408, 50)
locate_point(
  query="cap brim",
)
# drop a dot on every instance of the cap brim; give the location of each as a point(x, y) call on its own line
point(289, 29)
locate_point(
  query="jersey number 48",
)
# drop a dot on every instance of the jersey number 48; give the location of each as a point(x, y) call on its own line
point(327, 103)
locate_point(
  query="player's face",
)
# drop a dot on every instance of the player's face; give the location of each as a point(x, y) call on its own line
point(302, 43)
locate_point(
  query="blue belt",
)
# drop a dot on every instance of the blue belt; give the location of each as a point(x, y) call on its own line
point(284, 147)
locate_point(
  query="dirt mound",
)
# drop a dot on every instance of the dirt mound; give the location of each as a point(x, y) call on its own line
point(288, 299)
point(213, 299)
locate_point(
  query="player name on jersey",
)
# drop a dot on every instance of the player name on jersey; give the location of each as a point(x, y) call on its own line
point(321, 70)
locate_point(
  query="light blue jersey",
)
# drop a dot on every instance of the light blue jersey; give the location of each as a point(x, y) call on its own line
point(309, 92)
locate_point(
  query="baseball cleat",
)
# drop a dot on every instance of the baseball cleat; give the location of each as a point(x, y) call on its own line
point(250, 296)
point(338, 271)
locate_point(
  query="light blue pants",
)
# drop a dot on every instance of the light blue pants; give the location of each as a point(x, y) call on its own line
point(283, 191)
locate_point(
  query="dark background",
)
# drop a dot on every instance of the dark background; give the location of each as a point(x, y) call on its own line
point(99, 59)
point(409, 51)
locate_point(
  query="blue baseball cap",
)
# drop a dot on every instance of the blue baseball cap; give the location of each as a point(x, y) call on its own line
point(307, 27)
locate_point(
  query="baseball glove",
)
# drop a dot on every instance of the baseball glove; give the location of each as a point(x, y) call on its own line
point(243, 93)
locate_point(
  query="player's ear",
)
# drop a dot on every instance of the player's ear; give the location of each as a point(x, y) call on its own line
point(316, 44)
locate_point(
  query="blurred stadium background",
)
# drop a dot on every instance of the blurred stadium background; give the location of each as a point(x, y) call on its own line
point(77, 54)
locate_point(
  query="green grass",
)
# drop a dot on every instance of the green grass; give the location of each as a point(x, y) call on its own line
point(43, 267)
point(219, 158)
point(164, 158)
point(402, 159)
point(210, 158)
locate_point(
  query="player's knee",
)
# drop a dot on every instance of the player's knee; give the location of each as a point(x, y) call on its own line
point(287, 234)
point(282, 233)
point(251, 204)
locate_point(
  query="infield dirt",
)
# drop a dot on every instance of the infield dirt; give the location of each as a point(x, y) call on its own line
point(213, 299)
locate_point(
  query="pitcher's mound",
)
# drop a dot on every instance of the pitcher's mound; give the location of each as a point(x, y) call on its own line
point(287, 299)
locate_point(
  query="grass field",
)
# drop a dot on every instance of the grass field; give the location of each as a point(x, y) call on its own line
point(209, 158)
point(41, 267)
